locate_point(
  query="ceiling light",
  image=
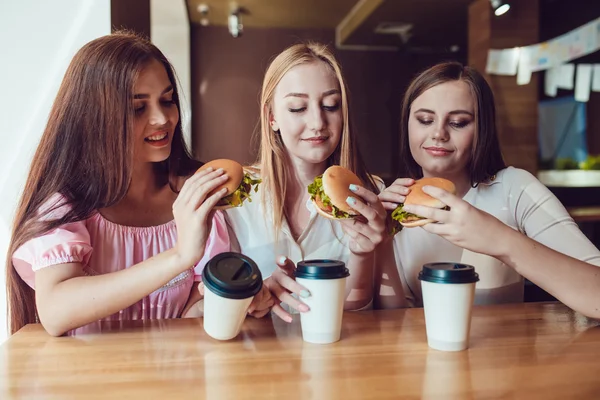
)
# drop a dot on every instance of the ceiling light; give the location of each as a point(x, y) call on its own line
point(203, 9)
point(500, 7)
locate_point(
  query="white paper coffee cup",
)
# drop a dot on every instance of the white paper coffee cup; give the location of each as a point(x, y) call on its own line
point(448, 292)
point(231, 281)
point(326, 282)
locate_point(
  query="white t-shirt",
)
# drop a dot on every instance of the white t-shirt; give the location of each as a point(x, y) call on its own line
point(252, 228)
point(519, 200)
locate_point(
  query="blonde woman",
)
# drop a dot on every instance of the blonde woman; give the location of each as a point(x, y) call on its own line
point(305, 129)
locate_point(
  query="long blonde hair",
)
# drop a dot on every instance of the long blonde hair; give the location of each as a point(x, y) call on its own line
point(272, 154)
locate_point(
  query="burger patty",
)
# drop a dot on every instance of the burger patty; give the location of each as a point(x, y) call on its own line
point(327, 209)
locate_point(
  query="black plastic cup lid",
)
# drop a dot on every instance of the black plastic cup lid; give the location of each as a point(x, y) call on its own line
point(321, 269)
point(445, 272)
point(232, 275)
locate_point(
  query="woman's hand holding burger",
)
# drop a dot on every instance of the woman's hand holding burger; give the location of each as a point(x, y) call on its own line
point(396, 193)
point(338, 194)
point(368, 232)
point(193, 211)
point(460, 223)
point(394, 196)
point(400, 198)
point(217, 185)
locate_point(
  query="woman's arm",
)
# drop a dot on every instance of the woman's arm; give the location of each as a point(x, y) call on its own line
point(388, 288)
point(552, 258)
point(550, 249)
point(359, 286)
point(574, 282)
point(66, 299)
point(366, 232)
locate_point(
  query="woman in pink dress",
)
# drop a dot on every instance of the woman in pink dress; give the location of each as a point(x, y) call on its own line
point(109, 227)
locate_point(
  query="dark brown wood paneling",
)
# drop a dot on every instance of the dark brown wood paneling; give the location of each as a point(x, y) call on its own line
point(227, 75)
point(130, 14)
point(517, 106)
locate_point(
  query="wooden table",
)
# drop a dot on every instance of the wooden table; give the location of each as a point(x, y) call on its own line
point(585, 214)
point(529, 351)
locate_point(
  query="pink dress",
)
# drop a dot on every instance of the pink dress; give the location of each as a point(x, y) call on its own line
point(102, 247)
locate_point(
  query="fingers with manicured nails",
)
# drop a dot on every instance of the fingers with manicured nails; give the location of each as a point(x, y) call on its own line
point(281, 313)
point(375, 218)
point(365, 194)
point(286, 265)
point(281, 284)
point(368, 197)
point(368, 212)
point(282, 288)
point(289, 268)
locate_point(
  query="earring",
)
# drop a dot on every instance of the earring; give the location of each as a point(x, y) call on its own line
point(274, 126)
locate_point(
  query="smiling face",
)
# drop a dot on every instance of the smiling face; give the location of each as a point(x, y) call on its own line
point(306, 110)
point(156, 114)
point(441, 129)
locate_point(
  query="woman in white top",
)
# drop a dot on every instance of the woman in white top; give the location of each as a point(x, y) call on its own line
point(304, 130)
point(508, 223)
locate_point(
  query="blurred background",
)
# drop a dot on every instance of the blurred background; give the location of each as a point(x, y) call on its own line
point(221, 48)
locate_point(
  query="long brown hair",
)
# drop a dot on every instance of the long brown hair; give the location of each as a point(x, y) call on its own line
point(486, 157)
point(272, 153)
point(86, 151)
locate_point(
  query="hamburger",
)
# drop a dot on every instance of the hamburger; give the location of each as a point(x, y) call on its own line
point(401, 218)
point(239, 185)
point(329, 192)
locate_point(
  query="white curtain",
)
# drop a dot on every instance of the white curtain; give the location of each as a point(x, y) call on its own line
point(38, 40)
point(170, 32)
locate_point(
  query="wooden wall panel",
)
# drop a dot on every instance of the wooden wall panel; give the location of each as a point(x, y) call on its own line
point(132, 15)
point(517, 113)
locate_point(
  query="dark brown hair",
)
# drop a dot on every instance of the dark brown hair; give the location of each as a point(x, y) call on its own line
point(486, 157)
point(86, 151)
